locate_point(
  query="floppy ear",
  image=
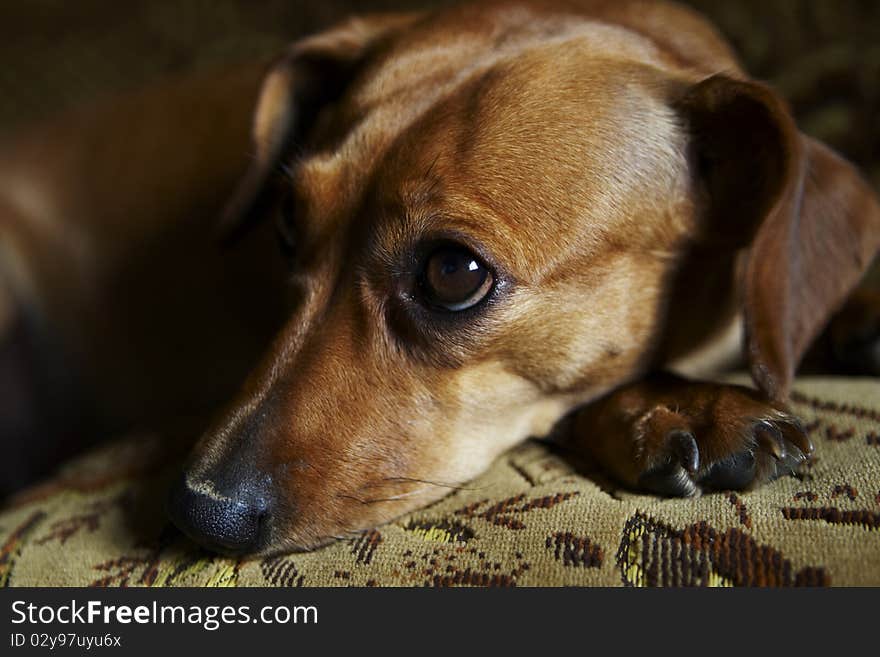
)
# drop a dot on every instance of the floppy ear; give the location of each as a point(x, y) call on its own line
point(311, 74)
point(810, 223)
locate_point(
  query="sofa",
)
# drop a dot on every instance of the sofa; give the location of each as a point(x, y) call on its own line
point(534, 518)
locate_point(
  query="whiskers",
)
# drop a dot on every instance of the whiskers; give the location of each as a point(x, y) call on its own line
point(432, 483)
point(400, 481)
point(392, 498)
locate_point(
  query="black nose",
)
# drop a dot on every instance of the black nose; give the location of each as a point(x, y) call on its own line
point(228, 521)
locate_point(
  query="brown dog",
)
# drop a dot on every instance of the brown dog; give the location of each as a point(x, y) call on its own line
point(496, 215)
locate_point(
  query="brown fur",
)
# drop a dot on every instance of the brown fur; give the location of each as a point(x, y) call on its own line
point(634, 193)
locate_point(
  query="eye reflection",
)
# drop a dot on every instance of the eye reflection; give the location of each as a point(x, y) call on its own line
point(454, 278)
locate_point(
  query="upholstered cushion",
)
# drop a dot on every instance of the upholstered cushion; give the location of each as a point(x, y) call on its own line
point(531, 520)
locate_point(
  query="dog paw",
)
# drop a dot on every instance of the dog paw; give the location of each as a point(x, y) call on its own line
point(734, 442)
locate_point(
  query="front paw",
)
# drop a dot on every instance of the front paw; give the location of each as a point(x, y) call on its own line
point(731, 442)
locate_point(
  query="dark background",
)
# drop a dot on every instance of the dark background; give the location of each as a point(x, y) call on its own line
point(823, 55)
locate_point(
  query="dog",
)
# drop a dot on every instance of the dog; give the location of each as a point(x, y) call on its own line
point(496, 219)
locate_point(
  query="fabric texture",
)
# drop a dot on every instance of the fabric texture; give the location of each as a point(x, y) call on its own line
point(530, 520)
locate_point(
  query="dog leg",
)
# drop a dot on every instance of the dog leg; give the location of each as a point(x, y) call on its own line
point(676, 437)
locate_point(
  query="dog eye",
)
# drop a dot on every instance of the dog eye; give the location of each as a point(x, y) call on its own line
point(454, 278)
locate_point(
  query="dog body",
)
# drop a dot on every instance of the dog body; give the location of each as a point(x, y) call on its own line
point(495, 215)
point(118, 309)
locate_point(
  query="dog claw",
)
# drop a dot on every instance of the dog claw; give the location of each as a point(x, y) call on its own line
point(675, 477)
point(787, 442)
point(685, 445)
point(771, 439)
point(784, 442)
point(798, 436)
point(737, 443)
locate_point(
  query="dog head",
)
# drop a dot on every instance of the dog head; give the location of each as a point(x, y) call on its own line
point(488, 215)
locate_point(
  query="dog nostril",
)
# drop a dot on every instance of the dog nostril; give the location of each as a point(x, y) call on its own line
point(229, 523)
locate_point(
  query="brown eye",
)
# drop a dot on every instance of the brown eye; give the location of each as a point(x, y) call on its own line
point(455, 279)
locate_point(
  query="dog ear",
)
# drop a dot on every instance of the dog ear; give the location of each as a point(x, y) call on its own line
point(809, 222)
point(311, 74)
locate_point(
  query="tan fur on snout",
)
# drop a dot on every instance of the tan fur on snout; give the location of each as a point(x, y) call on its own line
point(548, 141)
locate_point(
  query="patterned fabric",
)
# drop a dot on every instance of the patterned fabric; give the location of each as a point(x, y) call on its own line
point(531, 520)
